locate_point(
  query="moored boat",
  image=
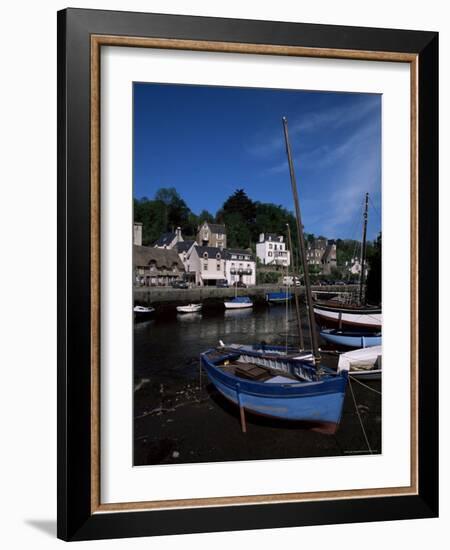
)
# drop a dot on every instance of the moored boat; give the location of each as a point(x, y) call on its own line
point(239, 302)
point(265, 382)
point(190, 308)
point(278, 297)
point(142, 312)
point(351, 339)
point(289, 390)
point(362, 363)
point(331, 315)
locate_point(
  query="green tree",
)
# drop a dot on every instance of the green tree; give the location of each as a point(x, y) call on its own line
point(373, 283)
point(239, 203)
point(206, 216)
point(177, 211)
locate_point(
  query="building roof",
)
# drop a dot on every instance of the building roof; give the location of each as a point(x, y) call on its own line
point(165, 239)
point(184, 246)
point(272, 237)
point(211, 250)
point(164, 257)
point(216, 227)
point(230, 251)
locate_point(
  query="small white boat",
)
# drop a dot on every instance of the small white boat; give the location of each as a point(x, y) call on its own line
point(362, 363)
point(190, 308)
point(240, 302)
point(142, 312)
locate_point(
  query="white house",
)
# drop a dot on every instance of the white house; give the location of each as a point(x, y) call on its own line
point(240, 266)
point(208, 263)
point(185, 249)
point(271, 250)
point(354, 267)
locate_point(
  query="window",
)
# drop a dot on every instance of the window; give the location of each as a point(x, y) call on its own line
point(205, 266)
point(218, 267)
point(270, 247)
point(269, 253)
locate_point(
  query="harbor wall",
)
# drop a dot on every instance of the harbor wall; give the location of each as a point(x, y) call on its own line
point(212, 295)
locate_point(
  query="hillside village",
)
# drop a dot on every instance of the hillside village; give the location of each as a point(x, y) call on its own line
point(208, 261)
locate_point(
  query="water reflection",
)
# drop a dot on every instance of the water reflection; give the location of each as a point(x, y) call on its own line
point(170, 345)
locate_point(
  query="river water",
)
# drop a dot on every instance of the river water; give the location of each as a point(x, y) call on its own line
point(179, 417)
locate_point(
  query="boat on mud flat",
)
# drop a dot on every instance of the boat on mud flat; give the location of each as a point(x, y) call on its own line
point(190, 308)
point(278, 297)
point(288, 389)
point(268, 350)
point(238, 302)
point(264, 381)
point(351, 339)
point(363, 363)
point(142, 312)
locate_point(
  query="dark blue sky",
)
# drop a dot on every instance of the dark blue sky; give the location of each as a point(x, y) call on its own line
point(209, 141)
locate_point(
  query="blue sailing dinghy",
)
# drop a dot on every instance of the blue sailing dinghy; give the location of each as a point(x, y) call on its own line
point(351, 339)
point(289, 389)
point(278, 297)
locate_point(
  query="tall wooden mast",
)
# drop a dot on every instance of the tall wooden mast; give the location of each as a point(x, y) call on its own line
point(295, 274)
point(363, 251)
point(301, 241)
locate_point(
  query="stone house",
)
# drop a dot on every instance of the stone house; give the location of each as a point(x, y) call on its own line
point(322, 253)
point(212, 234)
point(271, 250)
point(156, 266)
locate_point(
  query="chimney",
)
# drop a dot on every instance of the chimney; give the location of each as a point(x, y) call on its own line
point(261, 237)
point(178, 233)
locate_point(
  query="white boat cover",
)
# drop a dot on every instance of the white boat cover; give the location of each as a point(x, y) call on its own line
point(360, 359)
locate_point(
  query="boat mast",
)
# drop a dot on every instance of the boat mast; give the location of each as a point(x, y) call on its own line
point(297, 304)
point(301, 241)
point(363, 251)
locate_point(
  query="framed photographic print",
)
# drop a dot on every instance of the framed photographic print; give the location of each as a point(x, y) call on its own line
point(247, 274)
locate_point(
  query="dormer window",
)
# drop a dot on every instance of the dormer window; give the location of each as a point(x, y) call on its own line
point(205, 255)
point(218, 255)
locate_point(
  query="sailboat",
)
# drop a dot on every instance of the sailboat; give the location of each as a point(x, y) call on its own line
point(277, 386)
point(355, 316)
point(238, 302)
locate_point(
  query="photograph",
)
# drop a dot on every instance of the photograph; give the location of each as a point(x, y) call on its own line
point(256, 276)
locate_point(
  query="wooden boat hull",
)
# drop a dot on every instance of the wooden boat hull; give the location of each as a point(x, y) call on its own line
point(347, 317)
point(318, 402)
point(351, 340)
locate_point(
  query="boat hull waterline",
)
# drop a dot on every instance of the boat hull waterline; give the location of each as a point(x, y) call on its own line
point(240, 302)
point(351, 340)
point(345, 317)
point(278, 297)
point(317, 402)
point(190, 308)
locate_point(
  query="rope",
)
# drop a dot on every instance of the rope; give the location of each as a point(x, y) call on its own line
point(359, 417)
point(365, 385)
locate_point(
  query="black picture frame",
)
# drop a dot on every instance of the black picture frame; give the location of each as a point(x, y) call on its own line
point(75, 518)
